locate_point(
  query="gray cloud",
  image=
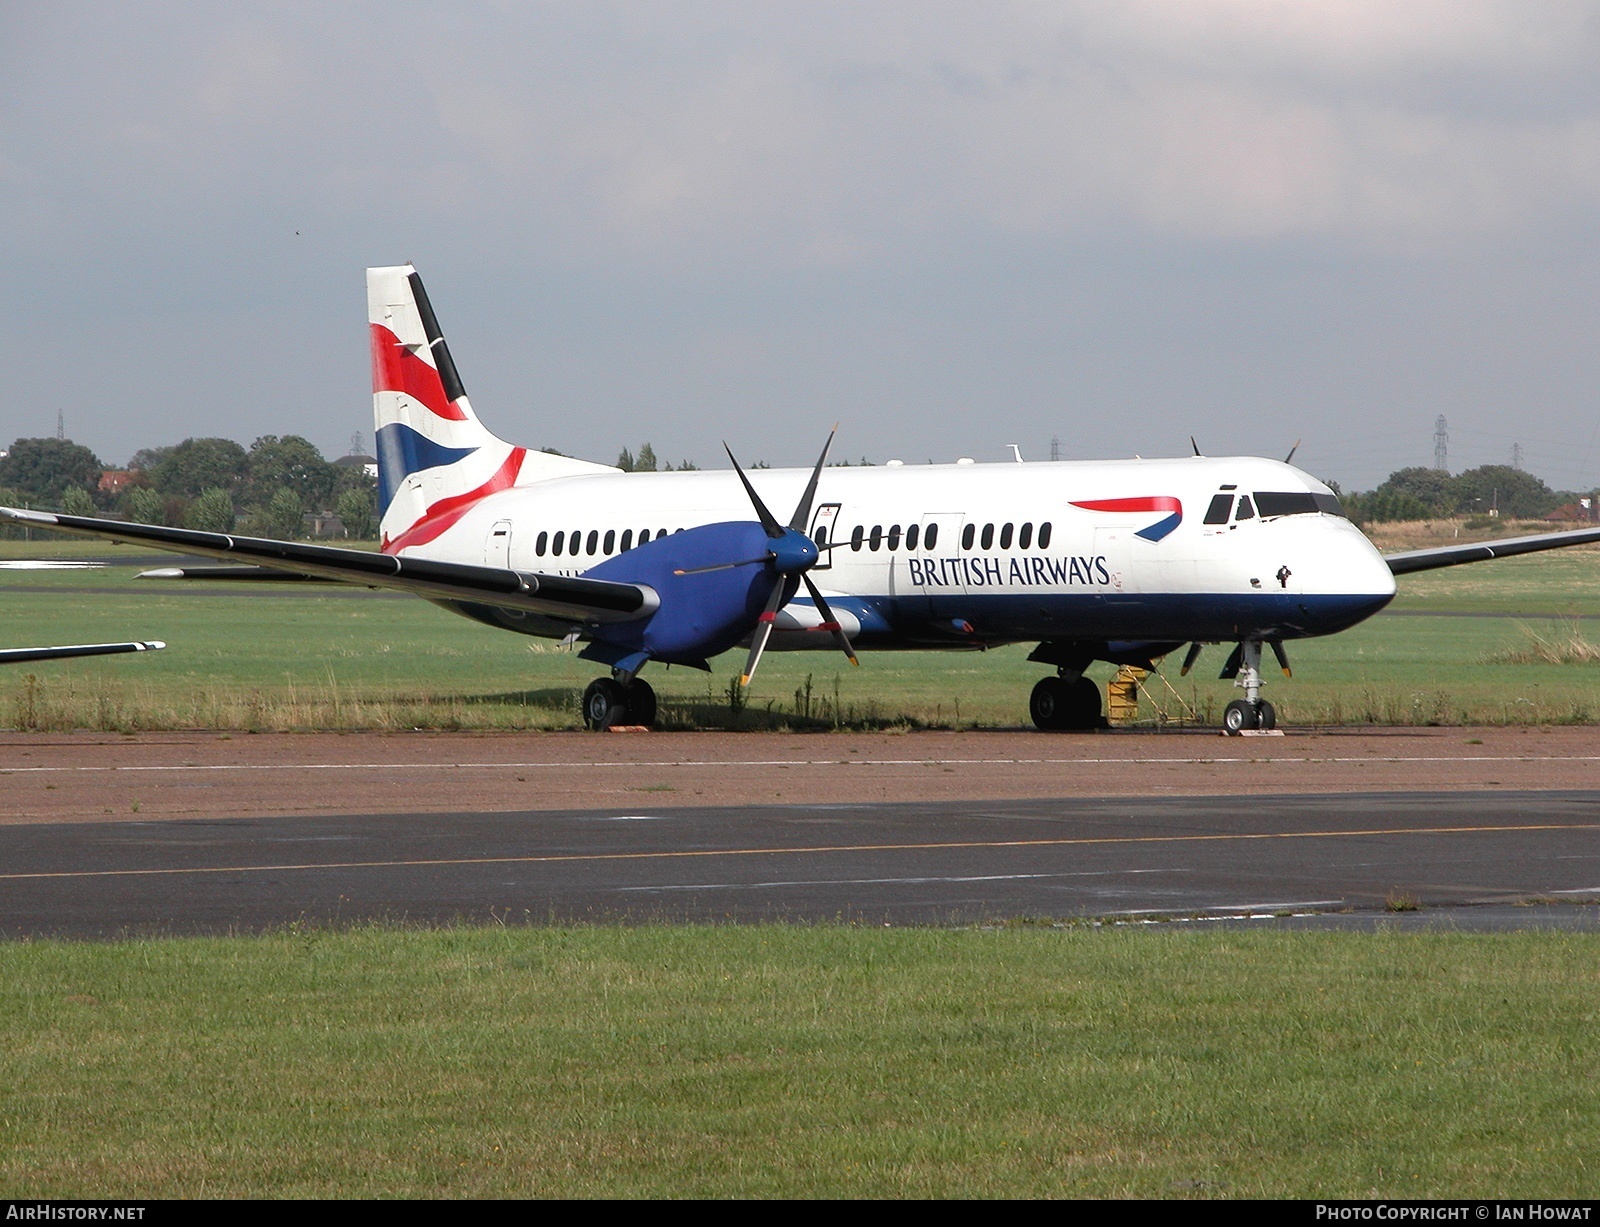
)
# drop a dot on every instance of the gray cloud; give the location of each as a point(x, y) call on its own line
point(955, 225)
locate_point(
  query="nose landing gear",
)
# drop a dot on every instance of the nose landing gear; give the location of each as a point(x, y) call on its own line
point(1251, 713)
point(618, 700)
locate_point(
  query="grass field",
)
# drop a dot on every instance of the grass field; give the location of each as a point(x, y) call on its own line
point(792, 1061)
point(338, 658)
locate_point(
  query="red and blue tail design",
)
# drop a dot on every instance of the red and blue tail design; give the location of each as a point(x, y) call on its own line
point(1159, 502)
point(435, 459)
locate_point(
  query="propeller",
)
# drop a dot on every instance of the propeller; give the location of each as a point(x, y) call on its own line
point(1189, 658)
point(1194, 445)
point(790, 554)
point(1283, 660)
point(1293, 450)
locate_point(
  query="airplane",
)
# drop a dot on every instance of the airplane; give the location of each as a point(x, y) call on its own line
point(1123, 561)
point(22, 656)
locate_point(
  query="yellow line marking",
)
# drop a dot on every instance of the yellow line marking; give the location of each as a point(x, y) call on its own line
point(570, 857)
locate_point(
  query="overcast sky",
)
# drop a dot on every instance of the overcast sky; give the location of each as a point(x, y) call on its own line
point(950, 227)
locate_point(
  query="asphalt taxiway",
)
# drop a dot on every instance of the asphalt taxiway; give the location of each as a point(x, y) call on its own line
point(1499, 857)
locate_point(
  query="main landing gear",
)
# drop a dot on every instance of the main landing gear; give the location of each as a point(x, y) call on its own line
point(618, 700)
point(1064, 702)
point(1251, 713)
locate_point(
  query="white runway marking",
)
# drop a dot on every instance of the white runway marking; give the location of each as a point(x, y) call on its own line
point(1204, 760)
point(988, 877)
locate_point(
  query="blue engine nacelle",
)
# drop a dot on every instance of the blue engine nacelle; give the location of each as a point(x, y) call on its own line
point(700, 615)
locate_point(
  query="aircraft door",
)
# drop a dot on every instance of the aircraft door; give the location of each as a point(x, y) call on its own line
point(497, 546)
point(1113, 550)
point(933, 573)
point(823, 524)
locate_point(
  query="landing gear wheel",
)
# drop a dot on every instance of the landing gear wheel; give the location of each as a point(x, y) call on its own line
point(641, 704)
point(1268, 716)
point(1057, 703)
point(603, 704)
point(1239, 716)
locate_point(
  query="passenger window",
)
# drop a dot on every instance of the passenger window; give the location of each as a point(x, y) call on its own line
point(1246, 511)
point(594, 539)
point(627, 540)
point(611, 541)
point(1005, 537)
point(539, 543)
point(1025, 536)
point(555, 548)
point(987, 540)
point(911, 536)
point(1044, 535)
point(874, 541)
point(1217, 513)
point(894, 536)
point(931, 537)
point(856, 534)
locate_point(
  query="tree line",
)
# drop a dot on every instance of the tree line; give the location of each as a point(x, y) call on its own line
point(1427, 494)
point(212, 484)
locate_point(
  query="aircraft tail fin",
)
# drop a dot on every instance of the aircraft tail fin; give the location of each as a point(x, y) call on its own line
point(435, 458)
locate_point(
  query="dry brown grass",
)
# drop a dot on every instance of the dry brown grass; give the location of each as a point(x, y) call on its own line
point(1563, 644)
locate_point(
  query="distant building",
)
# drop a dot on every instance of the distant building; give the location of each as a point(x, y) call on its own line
point(369, 464)
point(115, 481)
point(323, 524)
point(1584, 511)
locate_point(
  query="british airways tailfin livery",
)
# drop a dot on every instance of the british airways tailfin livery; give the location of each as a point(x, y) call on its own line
point(1121, 561)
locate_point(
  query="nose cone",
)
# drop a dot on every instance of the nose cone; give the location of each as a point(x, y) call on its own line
point(1342, 578)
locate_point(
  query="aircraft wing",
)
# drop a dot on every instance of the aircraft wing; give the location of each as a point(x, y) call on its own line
point(1481, 551)
point(560, 596)
point(21, 656)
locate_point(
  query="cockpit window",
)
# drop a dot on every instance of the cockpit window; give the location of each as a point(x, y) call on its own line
point(1246, 511)
point(1297, 503)
point(1217, 513)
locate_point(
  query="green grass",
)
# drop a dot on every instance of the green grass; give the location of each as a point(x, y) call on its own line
point(796, 1061)
point(308, 658)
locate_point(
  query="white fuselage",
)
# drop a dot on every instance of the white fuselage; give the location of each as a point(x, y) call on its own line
point(1013, 556)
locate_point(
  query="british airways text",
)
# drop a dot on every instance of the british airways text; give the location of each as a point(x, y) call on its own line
point(1021, 572)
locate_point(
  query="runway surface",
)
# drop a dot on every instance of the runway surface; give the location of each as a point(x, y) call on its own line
point(99, 777)
point(1453, 854)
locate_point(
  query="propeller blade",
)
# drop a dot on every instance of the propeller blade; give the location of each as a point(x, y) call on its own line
point(1293, 450)
point(830, 622)
point(722, 566)
point(763, 631)
point(802, 509)
point(768, 520)
point(1189, 659)
point(1283, 661)
point(1235, 660)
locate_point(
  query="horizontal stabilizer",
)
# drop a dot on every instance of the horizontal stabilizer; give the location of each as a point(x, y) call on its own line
point(557, 596)
point(21, 656)
point(1482, 551)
